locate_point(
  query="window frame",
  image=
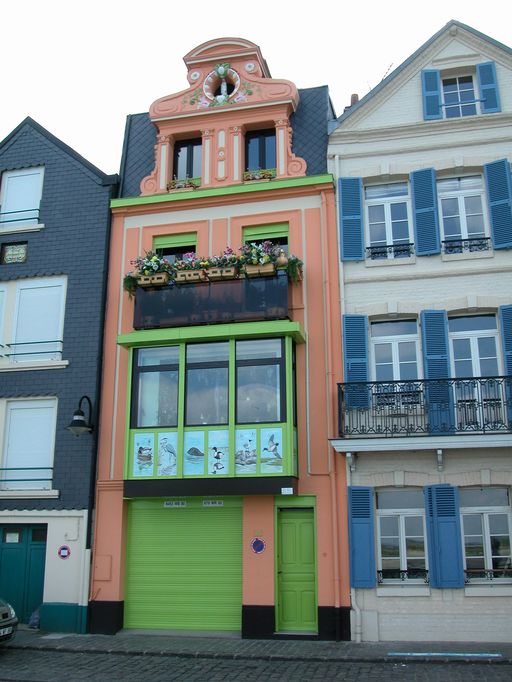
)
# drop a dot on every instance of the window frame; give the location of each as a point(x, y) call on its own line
point(485, 512)
point(395, 340)
point(18, 225)
point(481, 242)
point(401, 513)
point(460, 103)
point(263, 162)
point(473, 335)
point(380, 251)
point(201, 365)
point(135, 393)
point(189, 144)
point(50, 402)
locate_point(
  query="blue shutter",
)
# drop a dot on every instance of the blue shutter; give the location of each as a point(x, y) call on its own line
point(499, 193)
point(488, 86)
point(355, 359)
point(350, 192)
point(505, 312)
point(446, 568)
point(363, 571)
point(431, 86)
point(426, 221)
point(436, 363)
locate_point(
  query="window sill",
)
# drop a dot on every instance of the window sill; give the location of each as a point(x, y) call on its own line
point(33, 364)
point(495, 590)
point(467, 256)
point(29, 494)
point(22, 228)
point(379, 262)
point(403, 591)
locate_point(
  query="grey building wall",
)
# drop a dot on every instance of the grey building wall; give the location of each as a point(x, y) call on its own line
point(74, 242)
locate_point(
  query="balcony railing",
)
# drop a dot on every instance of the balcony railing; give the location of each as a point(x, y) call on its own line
point(381, 251)
point(26, 478)
point(29, 216)
point(31, 350)
point(415, 575)
point(472, 245)
point(236, 300)
point(484, 574)
point(425, 407)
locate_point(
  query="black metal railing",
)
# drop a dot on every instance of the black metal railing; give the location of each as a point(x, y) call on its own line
point(473, 245)
point(415, 575)
point(236, 300)
point(424, 407)
point(19, 478)
point(29, 215)
point(389, 251)
point(479, 575)
point(32, 350)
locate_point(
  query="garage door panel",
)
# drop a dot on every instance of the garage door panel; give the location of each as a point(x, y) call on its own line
point(184, 566)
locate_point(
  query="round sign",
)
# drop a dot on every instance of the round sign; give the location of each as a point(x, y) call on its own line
point(258, 545)
point(64, 552)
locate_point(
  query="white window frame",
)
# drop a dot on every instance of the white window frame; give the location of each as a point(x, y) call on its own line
point(460, 195)
point(10, 360)
point(485, 512)
point(28, 487)
point(476, 101)
point(387, 202)
point(402, 514)
point(20, 225)
point(395, 340)
point(473, 335)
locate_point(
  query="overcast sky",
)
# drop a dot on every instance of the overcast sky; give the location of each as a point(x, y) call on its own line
point(79, 68)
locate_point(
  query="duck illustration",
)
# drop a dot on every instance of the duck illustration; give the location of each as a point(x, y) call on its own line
point(217, 454)
point(272, 447)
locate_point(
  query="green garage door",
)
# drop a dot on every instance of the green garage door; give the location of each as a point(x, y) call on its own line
point(184, 564)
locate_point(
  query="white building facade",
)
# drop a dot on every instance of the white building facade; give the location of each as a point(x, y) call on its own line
point(424, 202)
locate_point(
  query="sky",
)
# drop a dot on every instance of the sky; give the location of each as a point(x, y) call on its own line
point(78, 69)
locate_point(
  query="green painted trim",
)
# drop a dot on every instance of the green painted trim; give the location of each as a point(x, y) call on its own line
point(288, 349)
point(175, 240)
point(305, 181)
point(63, 617)
point(235, 330)
point(182, 372)
point(265, 231)
point(232, 407)
point(128, 464)
point(294, 501)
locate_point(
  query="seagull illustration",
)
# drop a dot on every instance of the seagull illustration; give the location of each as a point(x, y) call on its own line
point(272, 447)
point(167, 451)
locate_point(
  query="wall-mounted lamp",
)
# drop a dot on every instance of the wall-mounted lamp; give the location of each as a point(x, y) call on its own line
point(78, 424)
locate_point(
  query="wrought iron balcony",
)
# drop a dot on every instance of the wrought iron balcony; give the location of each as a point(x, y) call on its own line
point(472, 245)
point(235, 300)
point(415, 574)
point(381, 251)
point(425, 407)
point(484, 574)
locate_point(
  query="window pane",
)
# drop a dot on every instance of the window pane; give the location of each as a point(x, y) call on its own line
point(393, 328)
point(258, 394)
point(383, 353)
point(450, 207)
point(473, 205)
point(399, 211)
point(207, 352)
point(270, 151)
point(461, 349)
point(252, 154)
point(400, 499)
point(197, 170)
point(376, 213)
point(407, 351)
point(389, 525)
point(38, 332)
point(158, 399)
point(472, 323)
point(254, 350)
point(500, 545)
point(167, 355)
point(474, 545)
point(389, 547)
point(415, 547)
point(413, 525)
point(472, 524)
point(377, 233)
point(395, 189)
point(180, 164)
point(452, 228)
point(207, 396)
point(484, 497)
point(475, 225)
point(498, 523)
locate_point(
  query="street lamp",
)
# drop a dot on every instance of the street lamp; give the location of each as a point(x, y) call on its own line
point(78, 425)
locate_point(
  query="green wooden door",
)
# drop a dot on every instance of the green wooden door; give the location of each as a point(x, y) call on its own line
point(22, 559)
point(296, 571)
point(184, 565)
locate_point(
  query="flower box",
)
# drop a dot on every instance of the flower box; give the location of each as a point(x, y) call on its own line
point(221, 273)
point(157, 280)
point(265, 270)
point(190, 276)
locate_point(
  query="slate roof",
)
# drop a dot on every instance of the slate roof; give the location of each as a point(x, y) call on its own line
point(349, 111)
point(310, 139)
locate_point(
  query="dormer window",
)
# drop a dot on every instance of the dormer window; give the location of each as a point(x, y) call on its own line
point(187, 159)
point(260, 150)
point(459, 97)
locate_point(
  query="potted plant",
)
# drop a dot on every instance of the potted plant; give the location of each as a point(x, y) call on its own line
point(225, 266)
point(151, 270)
point(183, 184)
point(259, 174)
point(191, 268)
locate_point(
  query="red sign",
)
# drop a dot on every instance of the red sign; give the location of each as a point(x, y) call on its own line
point(64, 552)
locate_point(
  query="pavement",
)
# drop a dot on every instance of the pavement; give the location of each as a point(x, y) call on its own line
point(165, 643)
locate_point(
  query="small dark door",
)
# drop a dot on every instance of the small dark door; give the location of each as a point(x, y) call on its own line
point(22, 558)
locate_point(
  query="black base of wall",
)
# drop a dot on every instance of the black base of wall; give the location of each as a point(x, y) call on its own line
point(258, 622)
point(105, 617)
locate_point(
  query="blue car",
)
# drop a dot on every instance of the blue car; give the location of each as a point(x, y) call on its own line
point(8, 622)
